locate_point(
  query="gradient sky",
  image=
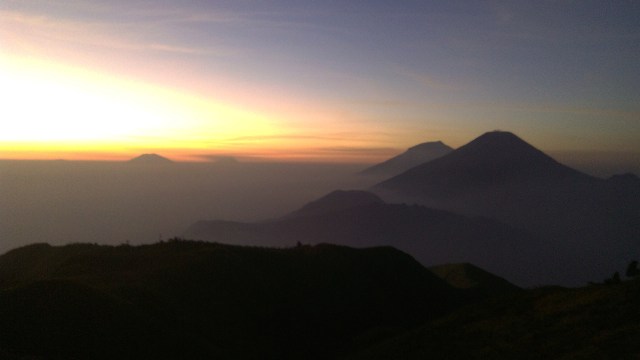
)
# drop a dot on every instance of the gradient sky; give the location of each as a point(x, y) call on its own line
point(313, 80)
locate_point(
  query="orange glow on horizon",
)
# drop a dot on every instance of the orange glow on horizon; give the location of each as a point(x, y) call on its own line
point(60, 112)
point(61, 101)
point(51, 110)
point(109, 152)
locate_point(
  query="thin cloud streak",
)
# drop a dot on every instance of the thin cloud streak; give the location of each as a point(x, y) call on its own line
point(21, 28)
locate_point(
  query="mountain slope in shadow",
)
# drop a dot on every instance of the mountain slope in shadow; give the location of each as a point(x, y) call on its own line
point(360, 219)
point(472, 278)
point(414, 156)
point(337, 200)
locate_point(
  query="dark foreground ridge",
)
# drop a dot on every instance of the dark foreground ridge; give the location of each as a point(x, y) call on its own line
point(594, 322)
point(196, 300)
point(184, 299)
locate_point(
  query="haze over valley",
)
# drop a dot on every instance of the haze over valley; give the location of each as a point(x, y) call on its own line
point(116, 202)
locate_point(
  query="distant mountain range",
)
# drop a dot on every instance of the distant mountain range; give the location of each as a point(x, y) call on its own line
point(150, 159)
point(494, 209)
point(501, 204)
point(414, 156)
point(496, 162)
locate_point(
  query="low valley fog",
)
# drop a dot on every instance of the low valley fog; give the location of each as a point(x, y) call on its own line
point(62, 202)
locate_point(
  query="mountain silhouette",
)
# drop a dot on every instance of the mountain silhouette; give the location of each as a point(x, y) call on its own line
point(501, 176)
point(590, 222)
point(492, 160)
point(150, 159)
point(336, 201)
point(414, 156)
point(360, 219)
point(185, 299)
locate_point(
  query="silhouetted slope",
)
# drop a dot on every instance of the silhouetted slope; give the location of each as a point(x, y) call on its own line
point(625, 183)
point(431, 236)
point(206, 300)
point(414, 156)
point(150, 159)
point(595, 322)
point(336, 201)
point(470, 277)
point(589, 223)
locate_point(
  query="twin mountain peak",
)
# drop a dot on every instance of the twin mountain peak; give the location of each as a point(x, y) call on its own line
point(494, 157)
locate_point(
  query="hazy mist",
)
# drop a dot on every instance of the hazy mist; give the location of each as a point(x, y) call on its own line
point(112, 202)
point(600, 164)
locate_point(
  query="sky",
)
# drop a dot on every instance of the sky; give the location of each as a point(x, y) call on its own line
point(333, 81)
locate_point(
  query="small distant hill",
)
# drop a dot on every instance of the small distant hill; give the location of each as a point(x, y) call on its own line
point(414, 156)
point(150, 159)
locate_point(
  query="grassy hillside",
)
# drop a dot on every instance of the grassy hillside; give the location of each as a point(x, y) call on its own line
point(203, 300)
point(595, 322)
point(473, 279)
point(197, 300)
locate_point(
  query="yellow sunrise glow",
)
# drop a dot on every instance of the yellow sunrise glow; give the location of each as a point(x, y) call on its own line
point(46, 110)
point(61, 108)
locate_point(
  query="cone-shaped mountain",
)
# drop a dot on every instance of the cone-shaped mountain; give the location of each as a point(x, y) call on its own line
point(150, 159)
point(492, 159)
